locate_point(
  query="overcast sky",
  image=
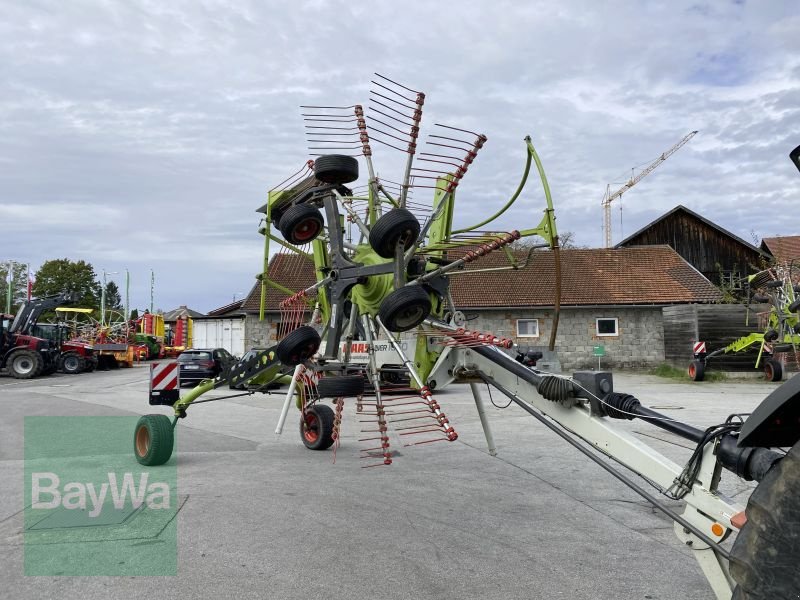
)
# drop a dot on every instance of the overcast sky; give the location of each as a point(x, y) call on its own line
point(144, 134)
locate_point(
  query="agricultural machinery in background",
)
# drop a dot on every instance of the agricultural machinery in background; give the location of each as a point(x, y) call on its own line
point(73, 342)
point(383, 261)
point(22, 352)
point(153, 340)
point(75, 355)
point(780, 326)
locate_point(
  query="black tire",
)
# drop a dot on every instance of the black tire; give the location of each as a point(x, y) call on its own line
point(766, 552)
point(794, 306)
point(276, 214)
point(761, 299)
point(25, 364)
point(796, 328)
point(301, 223)
point(316, 427)
point(774, 284)
point(396, 225)
point(405, 308)
point(770, 335)
point(153, 440)
point(71, 363)
point(697, 370)
point(297, 347)
point(773, 370)
point(336, 169)
point(91, 364)
point(341, 386)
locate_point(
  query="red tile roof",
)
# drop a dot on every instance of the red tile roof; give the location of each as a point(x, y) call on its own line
point(622, 276)
point(639, 275)
point(783, 248)
point(293, 271)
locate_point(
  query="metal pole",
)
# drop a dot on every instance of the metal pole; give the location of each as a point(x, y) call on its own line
point(127, 294)
point(287, 403)
point(10, 281)
point(103, 300)
point(152, 288)
point(28, 283)
point(476, 393)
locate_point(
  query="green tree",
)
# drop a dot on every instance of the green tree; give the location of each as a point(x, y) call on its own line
point(19, 285)
point(65, 276)
point(134, 314)
point(113, 299)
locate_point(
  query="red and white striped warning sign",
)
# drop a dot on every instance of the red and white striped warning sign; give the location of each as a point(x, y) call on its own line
point(699, 347)
point(164, 376)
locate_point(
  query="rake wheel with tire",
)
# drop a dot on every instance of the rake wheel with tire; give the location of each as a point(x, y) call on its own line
point(298, 346)
point(335, 169)
point(697, 370)
point(773, 370)
point(405, 308)
point(397, 225)
point(341, 386)
point(301, 223)
point(316, 427)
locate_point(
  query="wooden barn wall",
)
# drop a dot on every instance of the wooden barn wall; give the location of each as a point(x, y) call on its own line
point(701, 245)
point(715, 324)
point(680, 332)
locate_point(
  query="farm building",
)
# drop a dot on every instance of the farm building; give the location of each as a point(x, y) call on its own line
point(722, 257)
point(173, 331)
point(172, 316)
point(610, 297)
point(784, 249)
point(222, 327)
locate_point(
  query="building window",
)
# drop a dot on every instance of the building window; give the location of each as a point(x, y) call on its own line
point(527, 327)
point(730, 279)
point(606, 327)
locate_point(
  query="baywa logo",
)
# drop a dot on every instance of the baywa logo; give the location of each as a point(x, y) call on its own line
point(79, 496)
point(90, 508)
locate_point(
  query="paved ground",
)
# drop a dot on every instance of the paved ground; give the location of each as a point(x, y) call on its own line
point(265, 518)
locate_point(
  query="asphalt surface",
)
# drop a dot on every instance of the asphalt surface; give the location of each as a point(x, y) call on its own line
point(262, 517)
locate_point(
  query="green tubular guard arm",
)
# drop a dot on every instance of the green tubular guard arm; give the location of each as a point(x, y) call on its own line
point(513, 198)
point(547, 227)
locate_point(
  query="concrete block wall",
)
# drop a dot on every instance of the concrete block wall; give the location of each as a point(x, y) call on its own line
point(640, 343)
point(260, 334)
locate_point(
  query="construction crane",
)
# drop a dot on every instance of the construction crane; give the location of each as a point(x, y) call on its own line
point(609, 197)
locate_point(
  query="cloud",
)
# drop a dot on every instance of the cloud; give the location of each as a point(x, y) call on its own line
point(144, 134)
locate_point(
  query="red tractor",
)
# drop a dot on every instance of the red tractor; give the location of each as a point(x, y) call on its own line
point(75, 356)
point(25, 355)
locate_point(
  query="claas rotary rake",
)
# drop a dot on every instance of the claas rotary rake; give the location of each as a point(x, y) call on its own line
point(381, 264)
point(780, 326)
